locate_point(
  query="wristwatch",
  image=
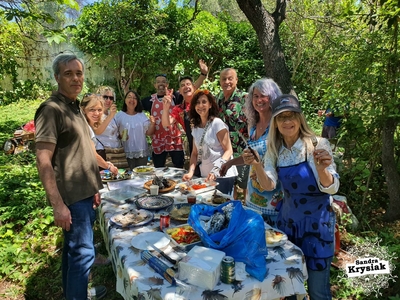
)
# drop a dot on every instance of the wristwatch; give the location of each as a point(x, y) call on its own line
point(109, 165)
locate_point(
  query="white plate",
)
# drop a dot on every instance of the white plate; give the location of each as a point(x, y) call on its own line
point(158, 239)
point(280, 243)
point(209, 202)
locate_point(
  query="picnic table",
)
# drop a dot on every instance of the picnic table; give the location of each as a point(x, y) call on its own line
point(135, 279)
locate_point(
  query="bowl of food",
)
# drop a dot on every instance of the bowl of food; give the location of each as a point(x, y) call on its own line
point(274, 237)
point(144, 170)
point(180, 211)
point(183, 236)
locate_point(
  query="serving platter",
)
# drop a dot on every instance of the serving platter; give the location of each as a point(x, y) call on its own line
point(132, 218)
point(154, 202)
point(274, 237)
point(197, 186)
point(144, 170)
point(219, 196)
point(107, 176)
point(171, 182)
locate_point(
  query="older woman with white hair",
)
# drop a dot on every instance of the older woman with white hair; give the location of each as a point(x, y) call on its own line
point(304, 166)
point(258, 113)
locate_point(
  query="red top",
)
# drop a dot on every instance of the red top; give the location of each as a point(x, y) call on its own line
point(164, 138)
point(178, 113)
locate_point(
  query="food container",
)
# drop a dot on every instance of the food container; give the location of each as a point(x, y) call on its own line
point(201, 267)
point(186, 230)
point(198, 186)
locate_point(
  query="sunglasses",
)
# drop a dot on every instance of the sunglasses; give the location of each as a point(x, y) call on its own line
point(286, 117)
point(105, 97)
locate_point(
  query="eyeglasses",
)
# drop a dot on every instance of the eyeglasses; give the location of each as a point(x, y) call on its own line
point(94, 110)
point(105, 97)
point(290, 116)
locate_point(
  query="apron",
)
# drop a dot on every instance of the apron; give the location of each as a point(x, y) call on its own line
point(258, 198)
point(306, 215)
point(164, 139)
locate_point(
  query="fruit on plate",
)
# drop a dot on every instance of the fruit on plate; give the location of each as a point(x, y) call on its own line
point(273, 236)
point(183, 235)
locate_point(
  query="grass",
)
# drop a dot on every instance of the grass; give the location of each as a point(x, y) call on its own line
point(30, 246)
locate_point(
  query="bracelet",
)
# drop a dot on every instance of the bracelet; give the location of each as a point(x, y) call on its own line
point(205, 75)
point(109, 164)
point(215, 171)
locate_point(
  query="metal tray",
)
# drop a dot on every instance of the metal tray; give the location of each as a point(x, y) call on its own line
point(125, 194)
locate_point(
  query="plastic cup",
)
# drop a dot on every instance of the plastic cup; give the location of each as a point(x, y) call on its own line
point(124, 135)
point(154, 189)
point(191, 198)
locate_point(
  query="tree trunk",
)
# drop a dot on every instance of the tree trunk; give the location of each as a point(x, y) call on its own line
point(266, 26)
point(390, 170)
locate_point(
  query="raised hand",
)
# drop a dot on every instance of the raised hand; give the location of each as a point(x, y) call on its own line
point(203, 67)
point(167, 100)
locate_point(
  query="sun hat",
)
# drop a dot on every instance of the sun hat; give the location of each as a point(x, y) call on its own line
point(285, 103)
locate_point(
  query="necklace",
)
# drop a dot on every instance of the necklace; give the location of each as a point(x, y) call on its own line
point(262, 128)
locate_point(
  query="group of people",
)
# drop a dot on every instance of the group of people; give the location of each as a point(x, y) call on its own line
point(259, 140)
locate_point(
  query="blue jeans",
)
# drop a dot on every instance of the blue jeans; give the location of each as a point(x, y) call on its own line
point(78, 250)
point(319, 287)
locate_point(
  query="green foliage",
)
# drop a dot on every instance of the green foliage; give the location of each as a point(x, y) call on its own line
point(113, 30)
point(10, 48)
point(242, 52)
point(178, 39)
point(28, 89)
point(26, 231)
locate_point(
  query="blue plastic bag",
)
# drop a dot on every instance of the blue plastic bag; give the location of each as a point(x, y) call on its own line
point(243, 239)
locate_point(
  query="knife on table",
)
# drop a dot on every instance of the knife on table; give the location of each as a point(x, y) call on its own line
point(247, 145)
point(172, 261)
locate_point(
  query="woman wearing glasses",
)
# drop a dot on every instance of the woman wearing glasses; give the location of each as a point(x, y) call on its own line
point(92, 107)
point(107, 133)
point(304, 166)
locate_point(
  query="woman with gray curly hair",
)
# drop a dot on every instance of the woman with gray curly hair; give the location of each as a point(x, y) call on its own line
point(258, 113)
